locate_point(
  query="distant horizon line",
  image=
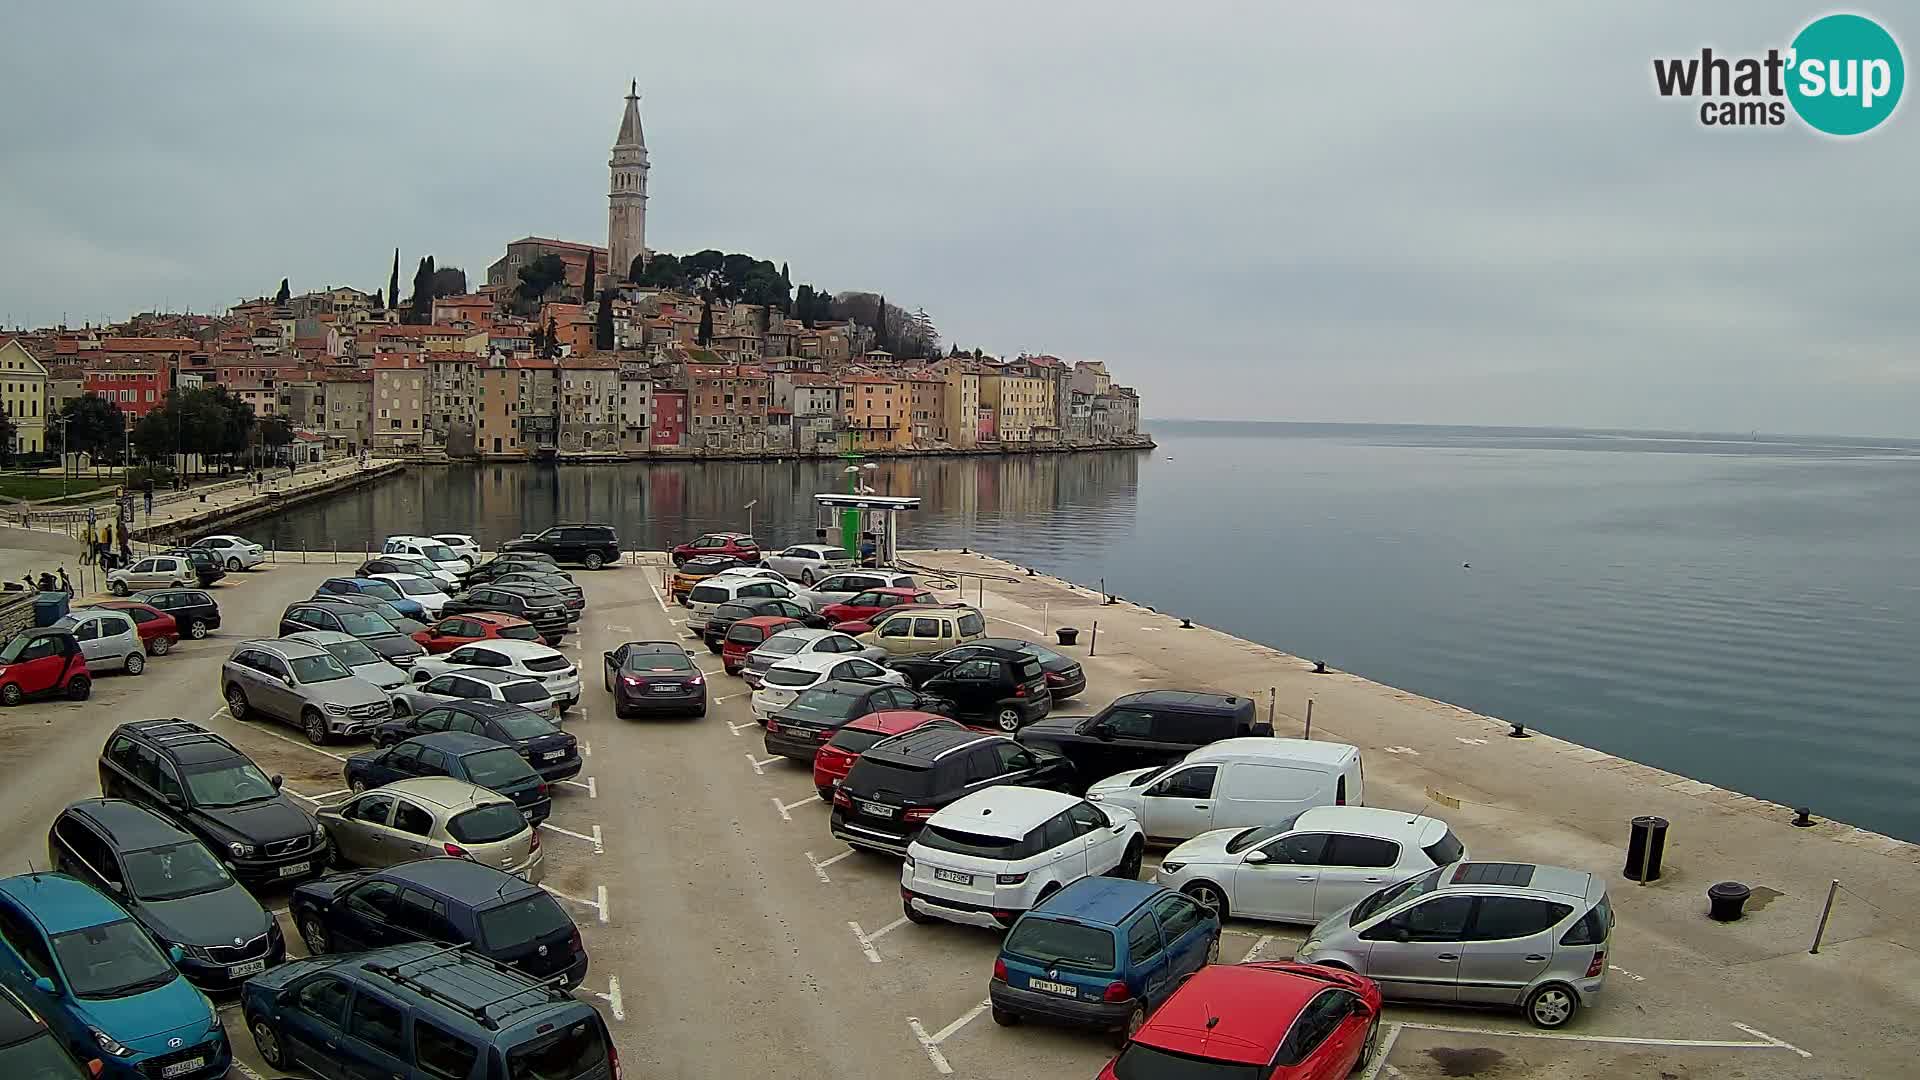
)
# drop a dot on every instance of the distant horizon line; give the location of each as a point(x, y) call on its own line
point(1751, 435)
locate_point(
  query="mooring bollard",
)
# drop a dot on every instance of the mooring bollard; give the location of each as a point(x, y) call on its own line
point(1646, 846)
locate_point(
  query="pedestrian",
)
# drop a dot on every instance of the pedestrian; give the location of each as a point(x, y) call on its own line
point(66, 584)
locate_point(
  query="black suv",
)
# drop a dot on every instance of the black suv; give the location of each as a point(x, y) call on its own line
point(592, 546)
point(516, 562)
point(803, 725)
point(207, 567)
point(1154, 727)
point(544, 608)
point(193, 609)
point(985, 683)
point(189, 775)
point(172, 885)
point(1065, 677)
point(898, 783)
point(456, 901)
point(553, 753)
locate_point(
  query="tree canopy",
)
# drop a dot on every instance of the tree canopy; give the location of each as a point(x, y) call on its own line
point(728, 278)
point(447, 281)
point(204, 420)
point(540, 275)
point(94, 426)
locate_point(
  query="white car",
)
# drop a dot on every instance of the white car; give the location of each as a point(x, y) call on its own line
point(486, 684)
point(799, 641)
point(808, 563)
point(152, 572)
point(1331, 857)
point(462, 544)
point(784, 680)
point(429, 549)
point(234, 552)
point(543, 664)
point(421, 590)
point(845, 584)
point(711, 592)
point(999, 851)
point(420, 566)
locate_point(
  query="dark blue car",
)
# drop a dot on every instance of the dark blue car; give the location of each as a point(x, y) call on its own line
point(462, 755)
point(1101, 953)
point(379, 590)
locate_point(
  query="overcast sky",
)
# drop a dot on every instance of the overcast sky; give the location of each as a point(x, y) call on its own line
point(1411, 213)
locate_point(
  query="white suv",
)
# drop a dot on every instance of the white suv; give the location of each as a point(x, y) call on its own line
point(993, 854)
point(543, 664)
point(784, 680)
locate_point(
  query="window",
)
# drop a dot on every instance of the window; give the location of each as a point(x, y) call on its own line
point(1143, 939)
point(378, 1023)
point(412, 819)
point(1300, 849)
point(1129, 724)
point(1177, 914)
point(375, 900)
point(423, 915)
point(325, 999)
point(405, 757)
point(1087, 818)
point(442, 1054)
point(1057, 832)
point(1439, 918)
point(1500, 918)
point(26, 939)
point(1012, 756)
point(896, 628)
point(1319, 1019)
point(1592, 928)
point(1365, 851)
point(1195, 783)
point(972, 625)
point(926, 628)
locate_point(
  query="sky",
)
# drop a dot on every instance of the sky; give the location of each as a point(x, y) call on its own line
point(1404, 213)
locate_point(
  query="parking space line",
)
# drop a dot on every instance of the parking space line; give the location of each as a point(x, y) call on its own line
point(1781, 1043)
point(246, 1070)
point(712, 674)
point(1021, 625)
point(612, 629)
point(724, 698)
point(1766, 1042)
point(615, 1003)
point(276, 735)
point(866, 940)
point(1380, 1053)
point(820, 865)
point(795, 805)
point(598, 848)
point(759, 766)
point(967, 1018)
point(738, 728)
point(593, 790)
point(599, 906)
point(888, 929)
point(1259, 946)
point(586, 748)
point(931, 1043)
point(658, 600)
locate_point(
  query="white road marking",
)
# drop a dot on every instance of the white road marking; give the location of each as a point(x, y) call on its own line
point(276, 735)
point(966, 1018)
point(738, 728)
point(1021, 625)
point(1469, 742)
point(866, 943)
point(1630, 975)
point(658, 600)
point(724, 698)
point(598, 848)
point(611, 628)
point(1259, 947)
point(712, 674)
point(1767, 1042)
point(592, 789)
point(612, 995)
point(599, 906)
point(1781, 1043)
point(586, 748)
point(246, 1070)
point(796, 804)
point(820, 865)
point(1401, 750)
point(759, 766)
point(932, 1048)
point(1381, 1052)
point(601, 892)
point(888, 929)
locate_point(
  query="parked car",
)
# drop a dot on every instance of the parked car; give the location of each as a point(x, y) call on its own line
point(734, 545)
point(835, 758)
point(357, 655)
point(107, 639)
point(234, 552)
point(924, 631)
point(418, 565)
point(207, 567)
point(543, 664)
point(1102, 953)
point(462, 544)
point(301, 683)
point(199, 781)
point(157, 629)
point(592, 546)
point(453, 631)
point(1138, 731)
point(785, 680)
point(846, 584)
point(426, 547)
point(749, 634)
point(797, 641)
point(424, 817)
point(489, 912)
point(401, 622)
point(797, 730)
point(863, 607)
point(424, 591)
point(514, 562)
point(726, 587)
point(652, 677)
point(461, 755)
point(696, 570)
point(194, 609)
point(808, 563)
point(727, 614)
point(1065, 678)
point(30, 1049)
point(486, 684)
point(152, 572)
point(43, 663)
point(553, 753)
point(896, 786)
point(103, 986)
point(1267, 1019)
point(1236, 783)
point(988, 685)
point(1518, 935)
point(379, 634)
point(574, 595)
point(1332, 857)
point(472, 1019)
point(172, 885)
point(999, 851)
point(544, 608)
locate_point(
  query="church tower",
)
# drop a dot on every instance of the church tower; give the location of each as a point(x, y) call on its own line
point(627, 195)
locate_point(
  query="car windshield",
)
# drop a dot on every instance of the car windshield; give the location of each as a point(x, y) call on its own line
point(111, 960)
point(523, 693)
point(870, 777)
point(779, 676)
point(834, 554)
point(231, 784)
point(563, 1055)
point(1142, 1062)
point(316, 669)
point(414, 586)
point(363, 623)
point(982, 845)
point(438, 552)
point(381, 589)
point(1151, 775)
point(41, 1058)
point(487, 824)
point(1054, 941)
point(709, 594)
point(524, 725)
point(172, 871)
point(522, 922)
point(820, 704)
point(853, 740)
point(496, 768)
point(523, 632)
point(678, 660)
point(1247, 838)
point(1393, 894)
point(781, 645)
point(353, 652)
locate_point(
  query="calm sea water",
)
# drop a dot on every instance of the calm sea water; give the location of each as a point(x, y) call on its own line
point(1742, 610)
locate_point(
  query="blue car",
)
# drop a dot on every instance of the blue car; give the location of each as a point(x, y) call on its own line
point(103, 986)
point(379, 590)
point(1101, 953)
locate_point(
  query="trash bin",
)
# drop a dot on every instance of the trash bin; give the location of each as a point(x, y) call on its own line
point(1067, 634)
point(1646, 842)
point(49, 608)
point(1727, 900)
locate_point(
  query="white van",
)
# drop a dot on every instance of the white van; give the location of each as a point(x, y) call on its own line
point(1254, 780)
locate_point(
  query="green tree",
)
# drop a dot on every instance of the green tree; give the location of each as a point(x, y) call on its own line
point(275, 433)
point(207, 421)
point(379, 299)
point(393, 283)
point(447, 281)
point(284, 294)
point(552, 336)
point(879, 324)
point(803, 305)
point(422, 299)
point(603, 322)
point(94, 426)
point(706, 318)
point(8, 434)
point(586, 278)
point(540, 275)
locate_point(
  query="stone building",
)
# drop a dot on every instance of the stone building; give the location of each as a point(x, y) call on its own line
point(627, 192)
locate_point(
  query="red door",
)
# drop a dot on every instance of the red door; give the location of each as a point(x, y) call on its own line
point(41, 673)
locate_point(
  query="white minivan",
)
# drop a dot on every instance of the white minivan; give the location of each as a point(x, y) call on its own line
point(1255, 780)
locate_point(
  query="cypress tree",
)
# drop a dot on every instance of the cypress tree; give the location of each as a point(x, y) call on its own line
point(284, 294)
point(586, 281)
point(880, 324)
point(603, 322)
point(393, 283)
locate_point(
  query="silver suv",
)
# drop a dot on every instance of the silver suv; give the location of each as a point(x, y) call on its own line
point(1478, 933)
point(302, 684)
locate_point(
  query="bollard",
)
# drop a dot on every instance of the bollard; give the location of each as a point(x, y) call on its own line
point(1095, 639)
point(1726, 901)
point(1067, 635)
point(1309, 731)
point(1646, 844)
point(1821, 930)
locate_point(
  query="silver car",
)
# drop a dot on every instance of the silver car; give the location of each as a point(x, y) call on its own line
point(427, 816)
point(357, 655)
point(108, 639)
point(152, 572)
point(1478, 933)
point(487, 684)
point(799, 642)
point(808, 563)
point(300, 683)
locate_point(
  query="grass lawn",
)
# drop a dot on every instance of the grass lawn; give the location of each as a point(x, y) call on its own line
point(39, 486)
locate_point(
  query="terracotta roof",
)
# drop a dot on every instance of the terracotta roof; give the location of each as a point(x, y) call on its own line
point(405, 331)
point(391, 362)
point(563, 245)
point(591, 362)
point(148, 344)
point(531, 363)
point(452, 358)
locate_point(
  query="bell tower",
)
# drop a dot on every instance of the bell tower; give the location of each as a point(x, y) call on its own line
point(627, 192)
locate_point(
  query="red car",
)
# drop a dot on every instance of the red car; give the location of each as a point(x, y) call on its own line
point(747, 635)
point(832, 762)
point(735, 545)
point(862, 607)
point(157, 629)
point(1272, 1020)
point(457, 630)
point(43, 663)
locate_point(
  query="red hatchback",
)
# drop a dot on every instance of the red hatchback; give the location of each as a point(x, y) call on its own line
point(749, 634)
point(832, 762)
point(736, 545)
point(456, 630)
point(1261, 1021)
point(42, 663)
point(158, 631)
point(862, 607)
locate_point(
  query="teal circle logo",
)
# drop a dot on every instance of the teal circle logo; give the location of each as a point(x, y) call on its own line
point(1846, 74)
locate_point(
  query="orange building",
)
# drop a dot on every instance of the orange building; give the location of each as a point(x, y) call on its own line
point(879, 413)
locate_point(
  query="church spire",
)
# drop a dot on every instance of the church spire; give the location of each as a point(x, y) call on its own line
point(630, 133)
point(627, 192)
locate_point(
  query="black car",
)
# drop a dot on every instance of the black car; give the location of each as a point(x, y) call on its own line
point(207, 567)
point(898, 784)
point(462, 755)
point(804, 725)
point(544, 608)
point(449, 900)
point(654, 677)
point(199, 781)
point(1137, 731)
point(362, 622)
point(592, 546)
point(553, 753)
point(193, 609)
point(1065, 677)
point(575, 596)
point(172, 885)
point(514, 563)
point(724, 616)
point(986, 684)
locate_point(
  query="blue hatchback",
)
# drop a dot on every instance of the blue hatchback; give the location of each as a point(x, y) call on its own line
point(102, 984)
point(379, 590)
point(1102, 953)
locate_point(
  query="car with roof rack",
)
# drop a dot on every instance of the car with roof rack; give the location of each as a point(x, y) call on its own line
point(899, 783)
point(470, 1018)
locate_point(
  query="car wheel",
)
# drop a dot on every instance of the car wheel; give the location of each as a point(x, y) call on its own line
point(806, 577)
point(1136, 1019)
point(197, 629)
point(1552, 1006)
point(160, 646)
point(315, 726)
point(267, 1041)
point(1130, 862)
point(1005, 1018)
point(177, 585)
point(119, 588)
point(356, 785)
point(10, 694)
point(237, 702)
point(1009, 720)
point(401, 709)
point(594, 561)
point(233, 565)
point(1368, 1048)
point(314, 934)
point(79, 688)
point(918, 918)
point(1209, 896)
point(136, 663)
point(825, 793)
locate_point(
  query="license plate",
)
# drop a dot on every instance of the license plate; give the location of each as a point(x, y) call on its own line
point(554, 755)
point(291, 869)
point(666, 689)
point(954, 876)
point(182, 1068)
point(251, 967)
point(1063, 989)
point(875, 809)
